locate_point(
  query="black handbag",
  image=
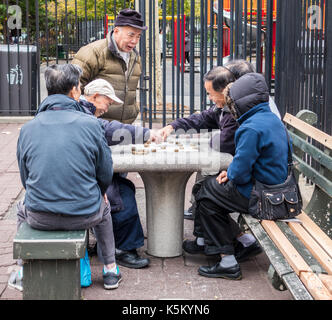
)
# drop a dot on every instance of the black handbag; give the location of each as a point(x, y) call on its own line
point(280, 201)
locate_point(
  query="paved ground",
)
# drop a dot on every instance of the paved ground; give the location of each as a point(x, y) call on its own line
point(165, 278)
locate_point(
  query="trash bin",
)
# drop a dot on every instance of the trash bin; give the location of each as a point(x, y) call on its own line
point(18, 80)
point(61, 52)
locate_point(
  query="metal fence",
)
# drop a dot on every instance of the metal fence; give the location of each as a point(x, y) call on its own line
point(303, 58)
point(288, 41)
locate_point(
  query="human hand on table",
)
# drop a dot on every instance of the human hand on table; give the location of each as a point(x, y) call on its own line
point(222, 178)
point(155, 137)
point(165, 132)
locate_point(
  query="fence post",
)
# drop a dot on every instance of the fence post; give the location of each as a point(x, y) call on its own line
point(327, 122)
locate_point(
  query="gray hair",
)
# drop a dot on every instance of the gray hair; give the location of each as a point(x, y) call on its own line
point(240, 67)
point(60, 79)
point(220, 77)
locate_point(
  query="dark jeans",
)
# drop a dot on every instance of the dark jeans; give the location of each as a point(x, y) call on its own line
point(127, 228)
point(214, 203)
point(101, 221)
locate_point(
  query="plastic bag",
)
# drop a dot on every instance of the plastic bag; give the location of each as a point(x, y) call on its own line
point(85, 271)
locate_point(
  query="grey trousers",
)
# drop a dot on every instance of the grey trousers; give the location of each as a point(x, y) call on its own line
point(101, 221)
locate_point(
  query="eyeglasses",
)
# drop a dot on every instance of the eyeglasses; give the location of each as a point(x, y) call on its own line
point(133, 35)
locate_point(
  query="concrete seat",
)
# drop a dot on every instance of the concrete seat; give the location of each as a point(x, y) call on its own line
point(51, 267)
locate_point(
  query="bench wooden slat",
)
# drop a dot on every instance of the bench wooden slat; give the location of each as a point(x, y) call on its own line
point(299, 246)
point(324, 241)
point(315, 286)
point(310, 280)
point(278, 261)
point(324, 159)
point(280, 264)
point(327, 281)
point(292, 256)
point(314, 175)
point(316, 250)
point(309, 130)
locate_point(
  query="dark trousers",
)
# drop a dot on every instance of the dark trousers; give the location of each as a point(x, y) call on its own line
point(128, 231)
point(101, 221)
point(214, 203)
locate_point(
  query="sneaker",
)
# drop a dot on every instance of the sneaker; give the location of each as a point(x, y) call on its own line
point(245, 253)
point(111, 279)
point(16, 279)
point(191, 246)
point(217, 271)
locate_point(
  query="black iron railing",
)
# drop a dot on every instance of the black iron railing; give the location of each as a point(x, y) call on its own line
point(288, 41)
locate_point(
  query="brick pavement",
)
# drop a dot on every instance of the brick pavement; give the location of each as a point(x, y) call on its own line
point(10, 183)
point(169, 278)
point(10, 188)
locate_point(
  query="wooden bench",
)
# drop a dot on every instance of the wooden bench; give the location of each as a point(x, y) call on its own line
point(51, 269)
point(301, 252)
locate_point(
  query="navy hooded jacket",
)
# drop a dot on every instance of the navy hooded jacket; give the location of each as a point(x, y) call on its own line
point(115, 133)
point(260, 141)
point(63, 157)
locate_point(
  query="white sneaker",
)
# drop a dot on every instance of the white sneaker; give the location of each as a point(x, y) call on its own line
point(16, 279)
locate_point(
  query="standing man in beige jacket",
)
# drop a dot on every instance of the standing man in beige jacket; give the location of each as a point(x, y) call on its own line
point(116, 60)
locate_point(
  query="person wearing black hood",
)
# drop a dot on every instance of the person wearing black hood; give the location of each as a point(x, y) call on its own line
point(261, 150)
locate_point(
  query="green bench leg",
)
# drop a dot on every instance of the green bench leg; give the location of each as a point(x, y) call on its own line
point(51, 280)
point(275, 279)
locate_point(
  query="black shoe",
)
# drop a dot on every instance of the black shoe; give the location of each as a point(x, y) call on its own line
point(232, 273)
point(131, 259)
point(244, 253)
point(188, 214)
point(92, 250)
point(191, 246)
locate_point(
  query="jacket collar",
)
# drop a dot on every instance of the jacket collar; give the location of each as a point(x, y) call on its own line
point(59, 102)
point(223, 110)
point(262, 107)
point(90, 108)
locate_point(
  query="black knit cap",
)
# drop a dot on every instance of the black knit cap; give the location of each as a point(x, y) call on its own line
point(129, 17)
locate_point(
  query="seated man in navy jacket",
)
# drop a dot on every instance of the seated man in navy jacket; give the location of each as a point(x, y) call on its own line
point(128, 232)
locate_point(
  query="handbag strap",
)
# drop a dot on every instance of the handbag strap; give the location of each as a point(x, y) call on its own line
point(289, 157)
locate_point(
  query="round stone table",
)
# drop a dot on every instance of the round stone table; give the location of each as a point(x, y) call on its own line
point(165, 173)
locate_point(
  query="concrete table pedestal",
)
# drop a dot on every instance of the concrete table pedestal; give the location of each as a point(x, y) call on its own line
point(165, 193)
point(165, 174)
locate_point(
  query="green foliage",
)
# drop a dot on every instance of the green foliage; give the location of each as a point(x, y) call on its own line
point(29, 15)
point(89, 8)
point(50, 12)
